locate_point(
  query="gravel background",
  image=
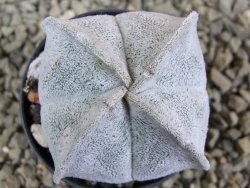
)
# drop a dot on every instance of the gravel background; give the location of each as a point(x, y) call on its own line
point(224, 30)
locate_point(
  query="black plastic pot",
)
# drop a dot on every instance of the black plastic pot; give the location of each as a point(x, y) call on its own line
point(43, 153)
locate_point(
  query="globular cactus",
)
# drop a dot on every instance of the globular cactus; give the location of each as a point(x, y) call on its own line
point(123, 98)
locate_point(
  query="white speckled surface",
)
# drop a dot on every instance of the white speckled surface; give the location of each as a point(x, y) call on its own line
point(123, 97)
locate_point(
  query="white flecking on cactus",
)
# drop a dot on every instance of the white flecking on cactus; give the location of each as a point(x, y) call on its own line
point(123, 97)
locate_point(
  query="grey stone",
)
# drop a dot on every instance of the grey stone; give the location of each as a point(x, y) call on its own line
point(188, 174)
point(236, 103)
point(13, 109)
point(245, 94)
point(11, 182)
point(32, 183)
point(5, 136)
point(4, 102)
point(214, 135)
point(78, 7)
point(135, 5)
point(28, 49)
point(25, 171)
point(244, 145)
point(64, 5)
point(223, 59)
point(245, 124)
point(233, 119)
point(240, 31)
point(216, 106)
point(216, 27)
point(37, 133)
point(225, 36)
point(213, 15)
point(242, 54)
point(26, 6)
point(247, 45)
point(47, 178)
point(18, 140)
point(212, 177)
point(8, 68)
point(211, 185)
point(216, 152)
point(68, 14)
point(2, 156)
point(244, 68)
point(55, 9)
point(225, 6)
point(221, 81)
point(235, 44)
point(230, 73)
point(15, 155)
point(165, 8)
point(234, 134)
point(240, 5)
point(227, 145)
point(16, 58)
point(6, 31)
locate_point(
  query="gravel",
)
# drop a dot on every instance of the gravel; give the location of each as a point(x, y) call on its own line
point(223, 29)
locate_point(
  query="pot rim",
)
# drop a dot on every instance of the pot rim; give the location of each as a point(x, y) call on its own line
point(43, 154)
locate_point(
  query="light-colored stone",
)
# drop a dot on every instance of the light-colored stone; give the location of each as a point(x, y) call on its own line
point(233, 119)
point(221, 81)
point(235, 44)
point(37, 132)
point(245, 94)
point(214, 135)
point(244, 145)
point(213, 15)
point(6, 31)
point(240, 5)
point(225, 6)
point(245, 124)
point(234, 134)
point(237, 103)
point(223, 59)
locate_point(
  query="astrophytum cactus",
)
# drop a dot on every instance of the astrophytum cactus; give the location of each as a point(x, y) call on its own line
point(123, 97)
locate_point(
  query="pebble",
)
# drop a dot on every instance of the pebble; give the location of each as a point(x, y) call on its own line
point(221, 81)
point(235, 44)
point(78, 7)
point(240, 5)
point(223, 59)
point(234, 134)
point(245, 94)
point(37, 133)
point(225, 36)
point(233, 119)
point(188, 174)
point(225, 6)
point(15, 155)
point(2, 156)
point(5, 136)
point(245, 124)
point(32, 183)
point(6, 31)
point(236, 103)
point(244, 145)
point(18, 140)
point(214, 135)
point(213, 15)
point(216, 27)
point(165, 8)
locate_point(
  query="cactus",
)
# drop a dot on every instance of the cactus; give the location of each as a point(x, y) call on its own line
point(123, 98)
